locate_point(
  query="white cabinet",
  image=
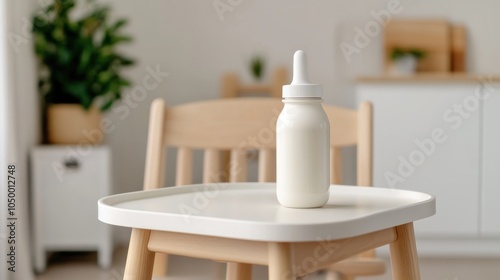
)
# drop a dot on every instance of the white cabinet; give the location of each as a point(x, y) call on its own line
point(490, 206)
point(66, 183)
point(439, 137)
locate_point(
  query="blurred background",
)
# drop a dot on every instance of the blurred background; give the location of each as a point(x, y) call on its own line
point(185, 49)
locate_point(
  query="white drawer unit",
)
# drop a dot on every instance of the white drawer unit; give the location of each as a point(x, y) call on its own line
point(442, 138)
point(66, 183)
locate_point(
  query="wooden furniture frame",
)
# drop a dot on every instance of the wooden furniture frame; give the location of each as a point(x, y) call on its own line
point(217, 125)
point(445, 44)
point(430, 35)
point(277, 255)
point(232, 87)
point(292, 242)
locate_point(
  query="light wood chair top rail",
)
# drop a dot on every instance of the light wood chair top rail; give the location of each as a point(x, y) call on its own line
point(235, 122)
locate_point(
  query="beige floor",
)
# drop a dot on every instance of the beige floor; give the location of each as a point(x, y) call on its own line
point(82, 266)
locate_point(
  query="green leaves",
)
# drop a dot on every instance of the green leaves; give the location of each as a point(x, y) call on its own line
point(398, 53)
point(79, 90)
point(117, 25)
point(80, 55)
point(257, 67)
point(63, 55)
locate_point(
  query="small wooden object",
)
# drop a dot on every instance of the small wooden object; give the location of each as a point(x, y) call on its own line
point(232, 87)
point(458, 48)
point(71, 124)
point(431, 36)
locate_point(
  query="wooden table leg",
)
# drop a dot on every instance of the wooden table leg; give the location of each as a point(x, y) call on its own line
point(239, 271)
point(160, 266)
point(140, 260)
point(280, 261)
point(404, 257)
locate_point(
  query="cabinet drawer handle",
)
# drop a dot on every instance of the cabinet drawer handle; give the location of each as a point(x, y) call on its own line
point(71, 163)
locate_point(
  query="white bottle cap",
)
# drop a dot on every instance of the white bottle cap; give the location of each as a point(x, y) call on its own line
point(300, 86)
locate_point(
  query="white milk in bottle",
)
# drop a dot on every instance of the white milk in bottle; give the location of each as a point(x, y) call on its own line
point(302, 142)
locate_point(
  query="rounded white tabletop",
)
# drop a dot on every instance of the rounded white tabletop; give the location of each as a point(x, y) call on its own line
point(251, 211)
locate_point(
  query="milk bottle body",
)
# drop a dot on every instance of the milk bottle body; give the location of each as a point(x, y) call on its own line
point(303, 153)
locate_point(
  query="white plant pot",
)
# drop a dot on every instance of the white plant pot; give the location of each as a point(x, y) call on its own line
point(406, 65)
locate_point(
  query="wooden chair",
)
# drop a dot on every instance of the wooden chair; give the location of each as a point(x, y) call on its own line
point(239, 124)
point(232, 87)
point(243, 224)
point(356, 127)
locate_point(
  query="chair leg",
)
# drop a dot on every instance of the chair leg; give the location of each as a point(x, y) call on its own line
point(332, 275)
point(280, 261)
point(160, 266)
point(404, 257)
point(139, 265)
point(239, 271)
point(346, 277)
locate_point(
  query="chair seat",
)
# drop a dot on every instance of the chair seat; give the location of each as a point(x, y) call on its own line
point(250, 211)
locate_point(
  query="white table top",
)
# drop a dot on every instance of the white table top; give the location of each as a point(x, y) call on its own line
point(251, 211)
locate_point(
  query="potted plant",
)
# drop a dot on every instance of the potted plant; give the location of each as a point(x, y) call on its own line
point(257, 65)
point(80, 73)
point(405, 60)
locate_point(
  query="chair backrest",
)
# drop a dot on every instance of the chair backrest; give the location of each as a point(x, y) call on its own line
point(237, 125)
point(232, 87)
